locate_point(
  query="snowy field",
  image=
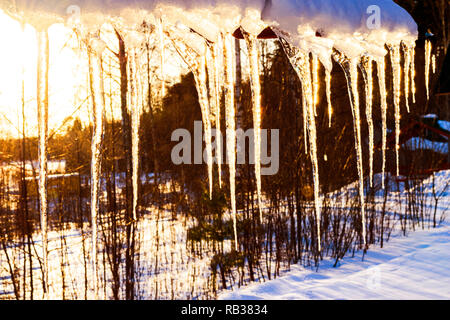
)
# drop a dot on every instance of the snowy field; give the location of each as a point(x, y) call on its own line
point(413, 267)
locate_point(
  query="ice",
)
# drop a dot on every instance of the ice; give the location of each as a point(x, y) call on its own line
point(381, 70)
point(396, 70)
point(413, 73)
point(407, 68)
point(213, 63)
point(300, 61)
point(328, 91)
point(230, 113)
point(350, 67)
point(428, 50)
point(366, 67)
point(253, 56)
point(95, 49)
point(42, 102)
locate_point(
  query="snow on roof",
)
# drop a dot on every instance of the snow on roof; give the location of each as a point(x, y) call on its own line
point(344, 24)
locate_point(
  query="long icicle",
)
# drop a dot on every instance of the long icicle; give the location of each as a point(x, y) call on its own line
point(206, 115)
point(162, 49)
point(315, 81)
point(253, 55)
point(407, 66)
point(96, 87)
point(197, 64)
point(300, 61)
point(366, 68)
point(396, 69)
point(413, 73)
point(381, 70)
point(230, 113)
point(42, 106)
point(428, 50)
point(135, 123)
point(213, 78)
point(328, 90)
point(350, 67)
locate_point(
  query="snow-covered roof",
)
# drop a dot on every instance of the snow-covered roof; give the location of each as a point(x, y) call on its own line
point(347, 25)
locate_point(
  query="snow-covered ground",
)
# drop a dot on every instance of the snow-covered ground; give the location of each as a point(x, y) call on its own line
point(413, 267)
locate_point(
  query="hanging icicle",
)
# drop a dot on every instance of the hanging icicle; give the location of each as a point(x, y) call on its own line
point(366, 68)
point(214, 98)
point(428, 50)
point(42, 106)
point(301, 63)
point(196, 61)
point(350, 67)
point(407, 66)
point(162, 51)
point(381, 70)
point(433, 63)
point(315, 81)
point(253, 55)
point(136, 108)
point(95, 50)
point(396, 70)
point(413, 73)
point(230, 113)
point(328, 90)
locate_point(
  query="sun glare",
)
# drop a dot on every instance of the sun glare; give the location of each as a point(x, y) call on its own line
point(67, 78)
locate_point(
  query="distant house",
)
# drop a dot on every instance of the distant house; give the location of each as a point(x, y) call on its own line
point(427, 138)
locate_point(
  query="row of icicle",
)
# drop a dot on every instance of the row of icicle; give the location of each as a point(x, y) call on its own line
point(214, 73)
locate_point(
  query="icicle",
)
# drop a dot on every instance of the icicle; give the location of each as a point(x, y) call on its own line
point(328, 89)
point(428, 50)
point(253, 55)
point(351, 72)
point(42, 104)
point(135, 92)
point(214, 89)
point(433, 63)
point(407, 54)
point(197, 64)
point(96, 86)
point(366, 68)
point(162, 49)
point(200, 80)
point(315, 81)
point(301, 63)
point(231, 124)
point(413, 73)
point(396, 69)
point(381, 69)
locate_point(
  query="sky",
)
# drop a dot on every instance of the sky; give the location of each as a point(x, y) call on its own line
point(68, 92)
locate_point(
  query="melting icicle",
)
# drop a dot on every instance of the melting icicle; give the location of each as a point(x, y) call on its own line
point(413, 73)
point(381, 69)
point(96, 86)
point(328, 89)
point(366, 68)
point(214, 87)
point(253, 56)
point(315, 81)
point(428, 49)
point(135, 88)
point(206, 115)
point(230, 113)
point(351, 72)
point(42, 103)
point(162, 49)
point(396, 69)
point(407, 54)
point(301, 63)
point(433, 63)
point(197, 64)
